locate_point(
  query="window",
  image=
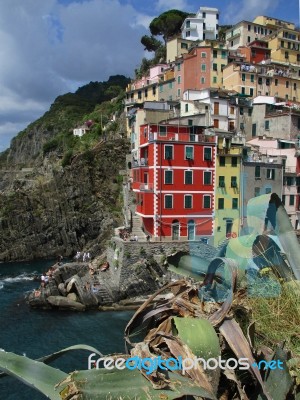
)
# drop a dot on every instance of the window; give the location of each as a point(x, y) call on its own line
point(207, 178)
point(202, 80)
point(216, 123)
point(292, 200)
point(257, 172)
point(222, 161)
point(267, 125)
point(206, 201)
point(249, 28)
point(255, 29)
point(168, 177)
point(252, 78)
point(189, 152)
point(178, 92)
point(224, 54)
point(161, 88)
point(221, 203)
point(188, 24)
point(170, 85)
point(216, 108)
point(162, 130)
point(241, 111)
point(179, 79)
point(186, 107)
point(234, 161)
point(207, 154)
point(243, 90)
point(276, 82)
point(203, 55)
point(250, 109)
point(233, 182)
point(188, 200)
point(270, 173)
point(214, 79)
point(139, 94)
point(249, 39)
point(295, 86)
point(283, 199)
point(146, 92)
point(268, 190)
point(256, 191)
point(260, 80)
point(187, 33)
point(251, 94)
point(215, 53)
point(287, 84)
point(253, 130)
point(168, 201)
point(215, 67)
point(178, 65)
point(231, 110)
point(243, 77)
point(188, 177)
point(168, 152)
point(235, 203)
point(286, 55)
point(221, 181)
point(203, 67)
point(203, 15)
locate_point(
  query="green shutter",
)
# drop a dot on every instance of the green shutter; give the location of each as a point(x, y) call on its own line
point(169, 177)
point(207, 153)
point(188, 177)
point(168, 152)
point(188, 201)
point(207, 178)
point(235, 203)
point(189, 152)
point(168, 201)
point(206, 202)
point(221, 204)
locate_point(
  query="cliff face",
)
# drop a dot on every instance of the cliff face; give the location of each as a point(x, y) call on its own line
point(60, 212)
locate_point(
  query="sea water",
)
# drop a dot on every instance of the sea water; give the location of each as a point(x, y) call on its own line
point(40, 332)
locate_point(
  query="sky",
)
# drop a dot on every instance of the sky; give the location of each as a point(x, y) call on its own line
point(51, 47)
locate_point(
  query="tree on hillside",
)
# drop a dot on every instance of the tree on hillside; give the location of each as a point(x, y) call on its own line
point(150, 43)
point(167, 24)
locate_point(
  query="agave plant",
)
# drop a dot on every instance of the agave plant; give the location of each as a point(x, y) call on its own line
point(187, 323)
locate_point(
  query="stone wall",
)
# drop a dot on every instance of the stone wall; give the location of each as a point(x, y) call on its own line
point(121, 255)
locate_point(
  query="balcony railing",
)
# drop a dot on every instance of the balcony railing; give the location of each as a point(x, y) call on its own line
point(142, 162)
point(182, 137)
point(146, 187)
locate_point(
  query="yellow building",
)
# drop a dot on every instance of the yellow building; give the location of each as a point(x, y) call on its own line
point(273, 23)
point(276, 79)
point(177, 47)
point(285, 45)
point(228, 198)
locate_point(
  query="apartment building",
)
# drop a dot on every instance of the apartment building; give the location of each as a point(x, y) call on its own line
point(204, 25)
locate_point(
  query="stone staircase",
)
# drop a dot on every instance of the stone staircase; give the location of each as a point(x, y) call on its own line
point(137, 228)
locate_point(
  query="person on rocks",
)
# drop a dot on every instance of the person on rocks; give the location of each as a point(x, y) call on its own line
point(43, 280)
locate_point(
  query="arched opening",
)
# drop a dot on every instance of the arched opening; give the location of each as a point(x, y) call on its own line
point(191, 229)
point(175, 229)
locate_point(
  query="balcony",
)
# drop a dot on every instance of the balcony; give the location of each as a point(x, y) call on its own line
point(182, 137)
point(208, 29)
point(142, 162)
point(146, 187)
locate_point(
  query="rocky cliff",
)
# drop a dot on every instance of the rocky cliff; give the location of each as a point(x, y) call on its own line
point(52, 210)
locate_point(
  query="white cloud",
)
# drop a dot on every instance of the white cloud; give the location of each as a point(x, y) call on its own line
point(247, 10)
point(48, 49)
point(164, 5)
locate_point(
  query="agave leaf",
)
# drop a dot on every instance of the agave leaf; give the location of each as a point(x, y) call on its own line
point(234, 336)
point(103, 384)
point(278, 381)
point(33, 373)
point(51, 357)
point(199, 335)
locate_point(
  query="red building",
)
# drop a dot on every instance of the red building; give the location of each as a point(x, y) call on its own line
point(174, 182)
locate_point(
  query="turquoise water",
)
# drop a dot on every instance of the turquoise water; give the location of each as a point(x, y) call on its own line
point(39, 332)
